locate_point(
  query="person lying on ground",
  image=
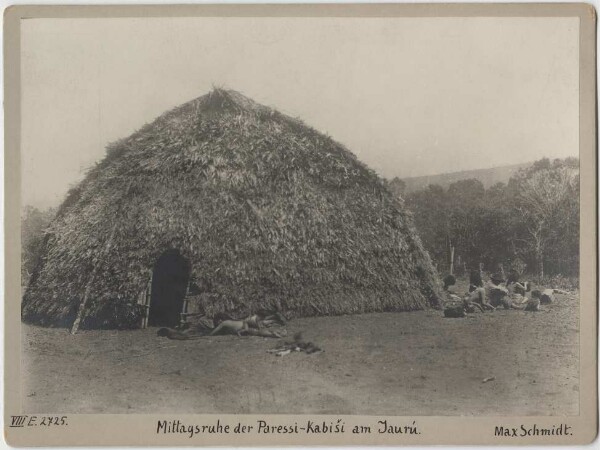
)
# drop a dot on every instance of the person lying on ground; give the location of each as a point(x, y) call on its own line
point(178, 334)
point(242, 328)
point(531, 304)
point(271, 320)
point(271, 316)
point(261, 319)
point(560, 291)
point(225, 327)
point(230, 327)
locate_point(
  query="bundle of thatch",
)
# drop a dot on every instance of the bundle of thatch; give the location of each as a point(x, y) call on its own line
point(271, 213)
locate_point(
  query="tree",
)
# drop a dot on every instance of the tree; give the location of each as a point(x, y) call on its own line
point(469, 191)
point(496, 241)
point(33, 225)
point(465, 212)
point(530, 222)
point(547, 201)
point(430, 210)
point(397, 186)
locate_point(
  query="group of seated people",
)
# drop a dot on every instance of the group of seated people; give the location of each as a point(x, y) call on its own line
point(497, 292)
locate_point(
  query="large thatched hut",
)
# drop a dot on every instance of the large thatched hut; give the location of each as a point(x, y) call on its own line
point(252, 207)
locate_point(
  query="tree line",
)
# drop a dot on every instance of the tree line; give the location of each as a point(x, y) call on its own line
point(529, 224)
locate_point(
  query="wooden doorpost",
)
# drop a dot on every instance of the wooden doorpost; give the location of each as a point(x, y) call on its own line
point(144, 302)
point(184, 308)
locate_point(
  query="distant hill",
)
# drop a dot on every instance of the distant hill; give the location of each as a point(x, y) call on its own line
point(488, 177)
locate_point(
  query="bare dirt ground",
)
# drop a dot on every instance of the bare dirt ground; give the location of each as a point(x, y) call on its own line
point(416, 363)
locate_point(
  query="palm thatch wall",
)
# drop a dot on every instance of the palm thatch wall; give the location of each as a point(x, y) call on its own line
point(269, 212)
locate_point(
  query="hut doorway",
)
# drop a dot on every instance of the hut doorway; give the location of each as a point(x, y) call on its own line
point(169, 285)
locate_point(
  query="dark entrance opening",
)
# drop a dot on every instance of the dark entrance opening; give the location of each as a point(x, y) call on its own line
point(169, 285)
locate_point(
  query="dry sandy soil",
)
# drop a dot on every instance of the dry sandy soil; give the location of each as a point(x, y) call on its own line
point(416, 363)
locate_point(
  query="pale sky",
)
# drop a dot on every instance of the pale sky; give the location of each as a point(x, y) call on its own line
point(409, 96)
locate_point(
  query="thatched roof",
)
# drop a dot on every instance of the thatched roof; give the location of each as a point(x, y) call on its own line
point(267, 210)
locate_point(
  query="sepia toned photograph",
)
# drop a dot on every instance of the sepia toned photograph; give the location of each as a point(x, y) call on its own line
point(326, 215)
